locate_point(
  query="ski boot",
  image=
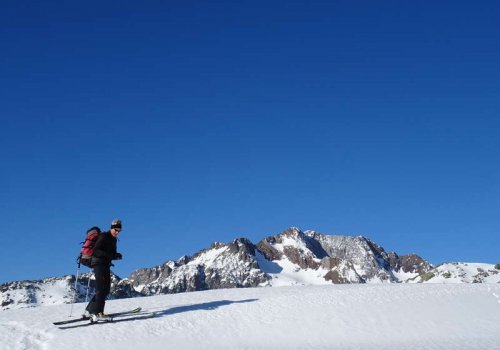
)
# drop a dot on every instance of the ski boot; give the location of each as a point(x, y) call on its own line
point(100, 317)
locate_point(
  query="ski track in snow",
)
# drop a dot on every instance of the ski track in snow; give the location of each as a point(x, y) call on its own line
point(494, 294)
point(352, 317)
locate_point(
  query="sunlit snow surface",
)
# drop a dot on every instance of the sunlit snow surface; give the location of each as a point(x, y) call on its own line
point(385, 316)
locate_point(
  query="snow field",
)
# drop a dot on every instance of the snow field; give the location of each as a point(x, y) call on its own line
point(389, 316)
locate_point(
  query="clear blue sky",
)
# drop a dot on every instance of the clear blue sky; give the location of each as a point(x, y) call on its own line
point(203, 121)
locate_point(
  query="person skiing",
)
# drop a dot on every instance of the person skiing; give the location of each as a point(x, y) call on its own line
point(104, 253)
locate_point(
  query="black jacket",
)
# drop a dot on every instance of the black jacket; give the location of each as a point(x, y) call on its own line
point(104, 249)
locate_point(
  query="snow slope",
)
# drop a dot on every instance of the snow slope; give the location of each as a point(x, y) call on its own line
point(385, 316)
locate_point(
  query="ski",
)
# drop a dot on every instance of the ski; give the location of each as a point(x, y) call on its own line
point(120, 319)
point(86, 318)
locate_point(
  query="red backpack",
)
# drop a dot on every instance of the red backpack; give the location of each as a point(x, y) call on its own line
point(85, 257)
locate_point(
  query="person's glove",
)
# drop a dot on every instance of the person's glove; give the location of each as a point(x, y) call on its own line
point(118, 256)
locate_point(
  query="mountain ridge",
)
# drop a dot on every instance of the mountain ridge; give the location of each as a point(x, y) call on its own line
point(290, 257)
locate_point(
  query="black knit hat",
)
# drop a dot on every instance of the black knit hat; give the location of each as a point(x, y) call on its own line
point(116, 224)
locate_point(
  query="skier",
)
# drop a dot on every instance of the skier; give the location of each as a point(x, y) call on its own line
point(104, 253)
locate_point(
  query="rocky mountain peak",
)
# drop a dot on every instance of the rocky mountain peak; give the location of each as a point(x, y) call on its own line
point(293, 232)
point(410, 263)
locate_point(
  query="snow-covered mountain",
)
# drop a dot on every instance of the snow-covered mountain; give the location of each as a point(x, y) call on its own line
point(460, 273)
point(340, 259)
point(291, 257)
point(56, 290)
point(229, 265)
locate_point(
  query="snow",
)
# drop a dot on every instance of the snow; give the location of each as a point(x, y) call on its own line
point(403, 276)
point(293, 242)
point(383, 316)
point(209, 257)
point(285, 273)
point(50, 292)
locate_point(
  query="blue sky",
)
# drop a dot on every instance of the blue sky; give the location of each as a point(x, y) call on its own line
point(197, 122)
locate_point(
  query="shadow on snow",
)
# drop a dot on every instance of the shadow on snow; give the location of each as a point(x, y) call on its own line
point(203, 306)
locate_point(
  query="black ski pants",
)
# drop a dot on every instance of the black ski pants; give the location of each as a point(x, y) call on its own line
point(102, 275)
